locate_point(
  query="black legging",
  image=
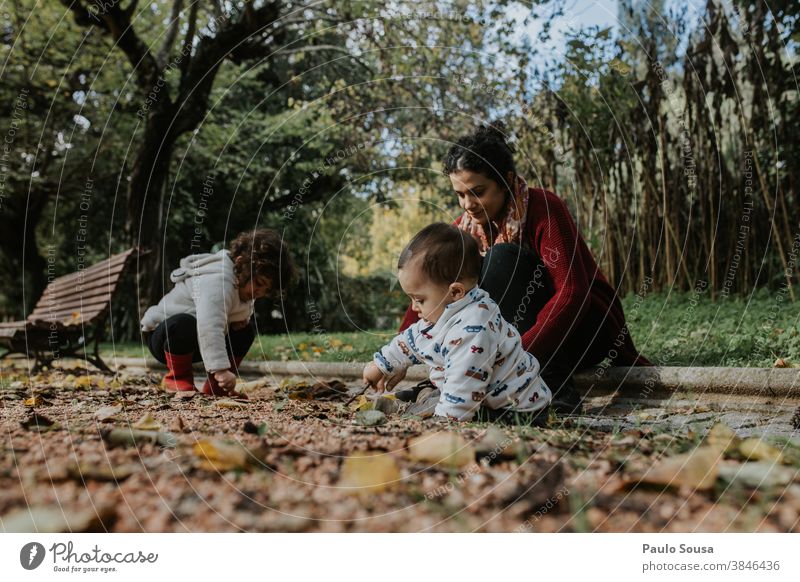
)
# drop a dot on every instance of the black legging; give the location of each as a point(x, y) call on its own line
point(178, 335)
point(518, 281)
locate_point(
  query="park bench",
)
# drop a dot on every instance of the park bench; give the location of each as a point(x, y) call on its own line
point(70, 315)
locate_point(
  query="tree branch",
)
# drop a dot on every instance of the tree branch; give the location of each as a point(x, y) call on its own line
point(172, 34)
point(189, 40)
point(116, 22)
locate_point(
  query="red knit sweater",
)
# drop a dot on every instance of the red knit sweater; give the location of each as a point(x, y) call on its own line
point(578, 282)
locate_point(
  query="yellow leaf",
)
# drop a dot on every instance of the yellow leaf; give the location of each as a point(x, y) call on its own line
point(83, 382)
point(369, 472)
point(34, 401)
point(302, 346)
point(722, 438)
point(362, 403)
point(755, 449)
point(697, 470)
point(147, 422)
point(216, 455)
point(441, 448)
point(232, 404)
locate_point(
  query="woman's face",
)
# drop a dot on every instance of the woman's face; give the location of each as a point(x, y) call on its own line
point(481, 197)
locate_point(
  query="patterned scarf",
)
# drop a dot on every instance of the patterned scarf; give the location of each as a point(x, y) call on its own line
point(510, 224)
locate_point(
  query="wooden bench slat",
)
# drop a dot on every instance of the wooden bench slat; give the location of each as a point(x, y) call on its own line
point(68, 317)
point(74, 304)
point(96, 288)
point(55, 294)
point(107, 266)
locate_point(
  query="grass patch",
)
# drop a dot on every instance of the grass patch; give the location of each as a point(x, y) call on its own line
point(672, 329)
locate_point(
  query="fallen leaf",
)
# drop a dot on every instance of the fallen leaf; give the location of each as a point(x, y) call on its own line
point(370, 417)
point(218, 455)
point(494, 445)
point(34, 401)
point(369, 472)
point(101, 472)
point(760, 475)
point(147, 422)
point(387, 404)
point(230, 404)
point(178, 424)
point(756, 449)
point(39, 422)
point(696, 470)
point(722, 437)
point(83, 382)
point(107, 413)
point(127, 437)
point(58, 519)
point(441, 448)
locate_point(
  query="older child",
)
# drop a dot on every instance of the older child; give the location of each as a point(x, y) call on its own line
point(208, 314)
point(476, 357)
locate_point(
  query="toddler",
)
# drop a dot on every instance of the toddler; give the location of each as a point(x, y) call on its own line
point(208, 314)
point(475, 356)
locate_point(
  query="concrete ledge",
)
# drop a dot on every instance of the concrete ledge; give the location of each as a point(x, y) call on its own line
point(633, 382)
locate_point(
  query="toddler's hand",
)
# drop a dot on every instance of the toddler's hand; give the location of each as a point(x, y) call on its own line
point(373, 376)
point(226, 379)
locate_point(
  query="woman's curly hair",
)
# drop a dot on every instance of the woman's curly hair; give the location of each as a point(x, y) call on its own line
point(265, 255)
point(485, 151)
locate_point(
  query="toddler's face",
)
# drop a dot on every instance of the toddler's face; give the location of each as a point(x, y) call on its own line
point(255, 288)
point(428, 299)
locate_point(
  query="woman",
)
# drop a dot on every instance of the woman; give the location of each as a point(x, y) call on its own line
point(536, 266)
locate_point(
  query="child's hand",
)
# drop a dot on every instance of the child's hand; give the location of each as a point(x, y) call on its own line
point(376, 378)
point(226, 379)
point(373, 376)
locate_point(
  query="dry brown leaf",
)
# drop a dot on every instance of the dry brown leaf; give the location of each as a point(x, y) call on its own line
point(369, 472)
point(178, 424)
point(218, 455)
point(147, 422)
point(107, 413)
point(34, 401)
point(441, 448)
point(39, 422)
point(755, 449)
point(696, 470)
point(101, 472)
point(127, 437)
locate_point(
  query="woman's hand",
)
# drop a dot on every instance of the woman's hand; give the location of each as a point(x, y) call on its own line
point(226, 379)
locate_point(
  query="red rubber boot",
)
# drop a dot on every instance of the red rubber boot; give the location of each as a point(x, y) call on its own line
point(212, 388)
point(179, 377)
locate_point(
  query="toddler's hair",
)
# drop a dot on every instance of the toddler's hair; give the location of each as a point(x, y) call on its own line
point(449, 254)
point(265, 255)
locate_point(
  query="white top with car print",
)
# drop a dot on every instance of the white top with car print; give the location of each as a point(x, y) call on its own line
point(476, 358)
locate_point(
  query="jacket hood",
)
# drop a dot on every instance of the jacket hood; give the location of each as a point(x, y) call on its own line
point(203, 264)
